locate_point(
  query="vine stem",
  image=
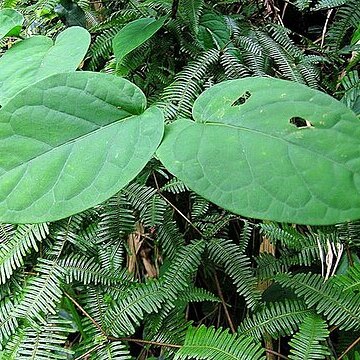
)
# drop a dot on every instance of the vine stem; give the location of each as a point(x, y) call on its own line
point(175, 208)
point(354, 343)
point(85, 313)
point(221, 296)
point(147, 342)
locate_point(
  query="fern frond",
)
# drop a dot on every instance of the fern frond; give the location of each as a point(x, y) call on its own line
point(351, 94)
point(349, 233)
point(186, 263)
point(44, 343)
point(195, 294)
point(116, 220)
point(347, 18)
point(339, 307)
point(275, 319)
point(280, 56)
point(237, 266)
point(168, 235)
point(147, 201)
point(233, 67)
point(132, 306)
point(170, 328)
point(190, 11)
point(8, 320)
point(16, 244)
point(350, 281)
point(208, 343)
point(245, 234)
point(177, 99)
point(215, 225)
point(199, 207)
point(302, 4)
point(95, 304)
point(327, 4)
point(174, 186)
point(42, 292)
point(111, 256)
point(113, 351)
point(308, 343)
point(87, 271)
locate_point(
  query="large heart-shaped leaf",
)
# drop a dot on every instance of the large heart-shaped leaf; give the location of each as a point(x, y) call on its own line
point(269, 149)
point(37, 57)
point(10, 22)
point(71, 141)
point(134, 34)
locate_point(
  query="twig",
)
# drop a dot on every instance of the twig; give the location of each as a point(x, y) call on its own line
point(228, 318)
point(89, 351)
point(175, 208)
point(85, 313)
point(148, 342)
point(276, 353)
point(325, 27)
point(174, 8)
point(354, 343)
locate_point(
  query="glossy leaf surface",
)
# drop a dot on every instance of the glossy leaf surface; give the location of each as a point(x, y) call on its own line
point(70, 142)
point(10, 22)
point(134, 34)
point(36, 58)
point(269, 149)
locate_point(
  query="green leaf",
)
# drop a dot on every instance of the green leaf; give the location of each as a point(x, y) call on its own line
point(250, 151)
point(213, 31)
point(71, 141)
point(211, 344)
point(134, 34)
point(10, 22)
point(309, 342)
point(38, 57)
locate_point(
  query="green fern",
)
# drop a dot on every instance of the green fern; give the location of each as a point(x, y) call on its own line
point(176, 278)
point(16, 243)
point(130, 309)
point(350, 281)
point(308, 343)
point(237, 266)
point(8, 320)
point(87, 271)
point(41, 343)
point(113, 351)
point(177, 99)
point(42, 292)
point(276, 319)
point(326, 297)
point(145, 199)
point(347, 19)
point(168, 235)
point(208, 343)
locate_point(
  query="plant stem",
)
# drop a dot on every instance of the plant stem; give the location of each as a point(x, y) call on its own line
point(85, 313)
point(175, 208)
point(228, 318)
point(354, 343)
point(148, 342)
point(174, 8)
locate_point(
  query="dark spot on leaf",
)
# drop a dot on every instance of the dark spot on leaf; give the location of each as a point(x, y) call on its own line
point(300, 122)
point(242, 99)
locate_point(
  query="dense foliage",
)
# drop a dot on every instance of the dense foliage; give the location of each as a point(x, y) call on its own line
point(156, 271)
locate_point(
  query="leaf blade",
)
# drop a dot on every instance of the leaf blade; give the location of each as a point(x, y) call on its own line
point(60, 159)
point(10, 22)
point(134, 34)
point(278, 171)
point(17, 72)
